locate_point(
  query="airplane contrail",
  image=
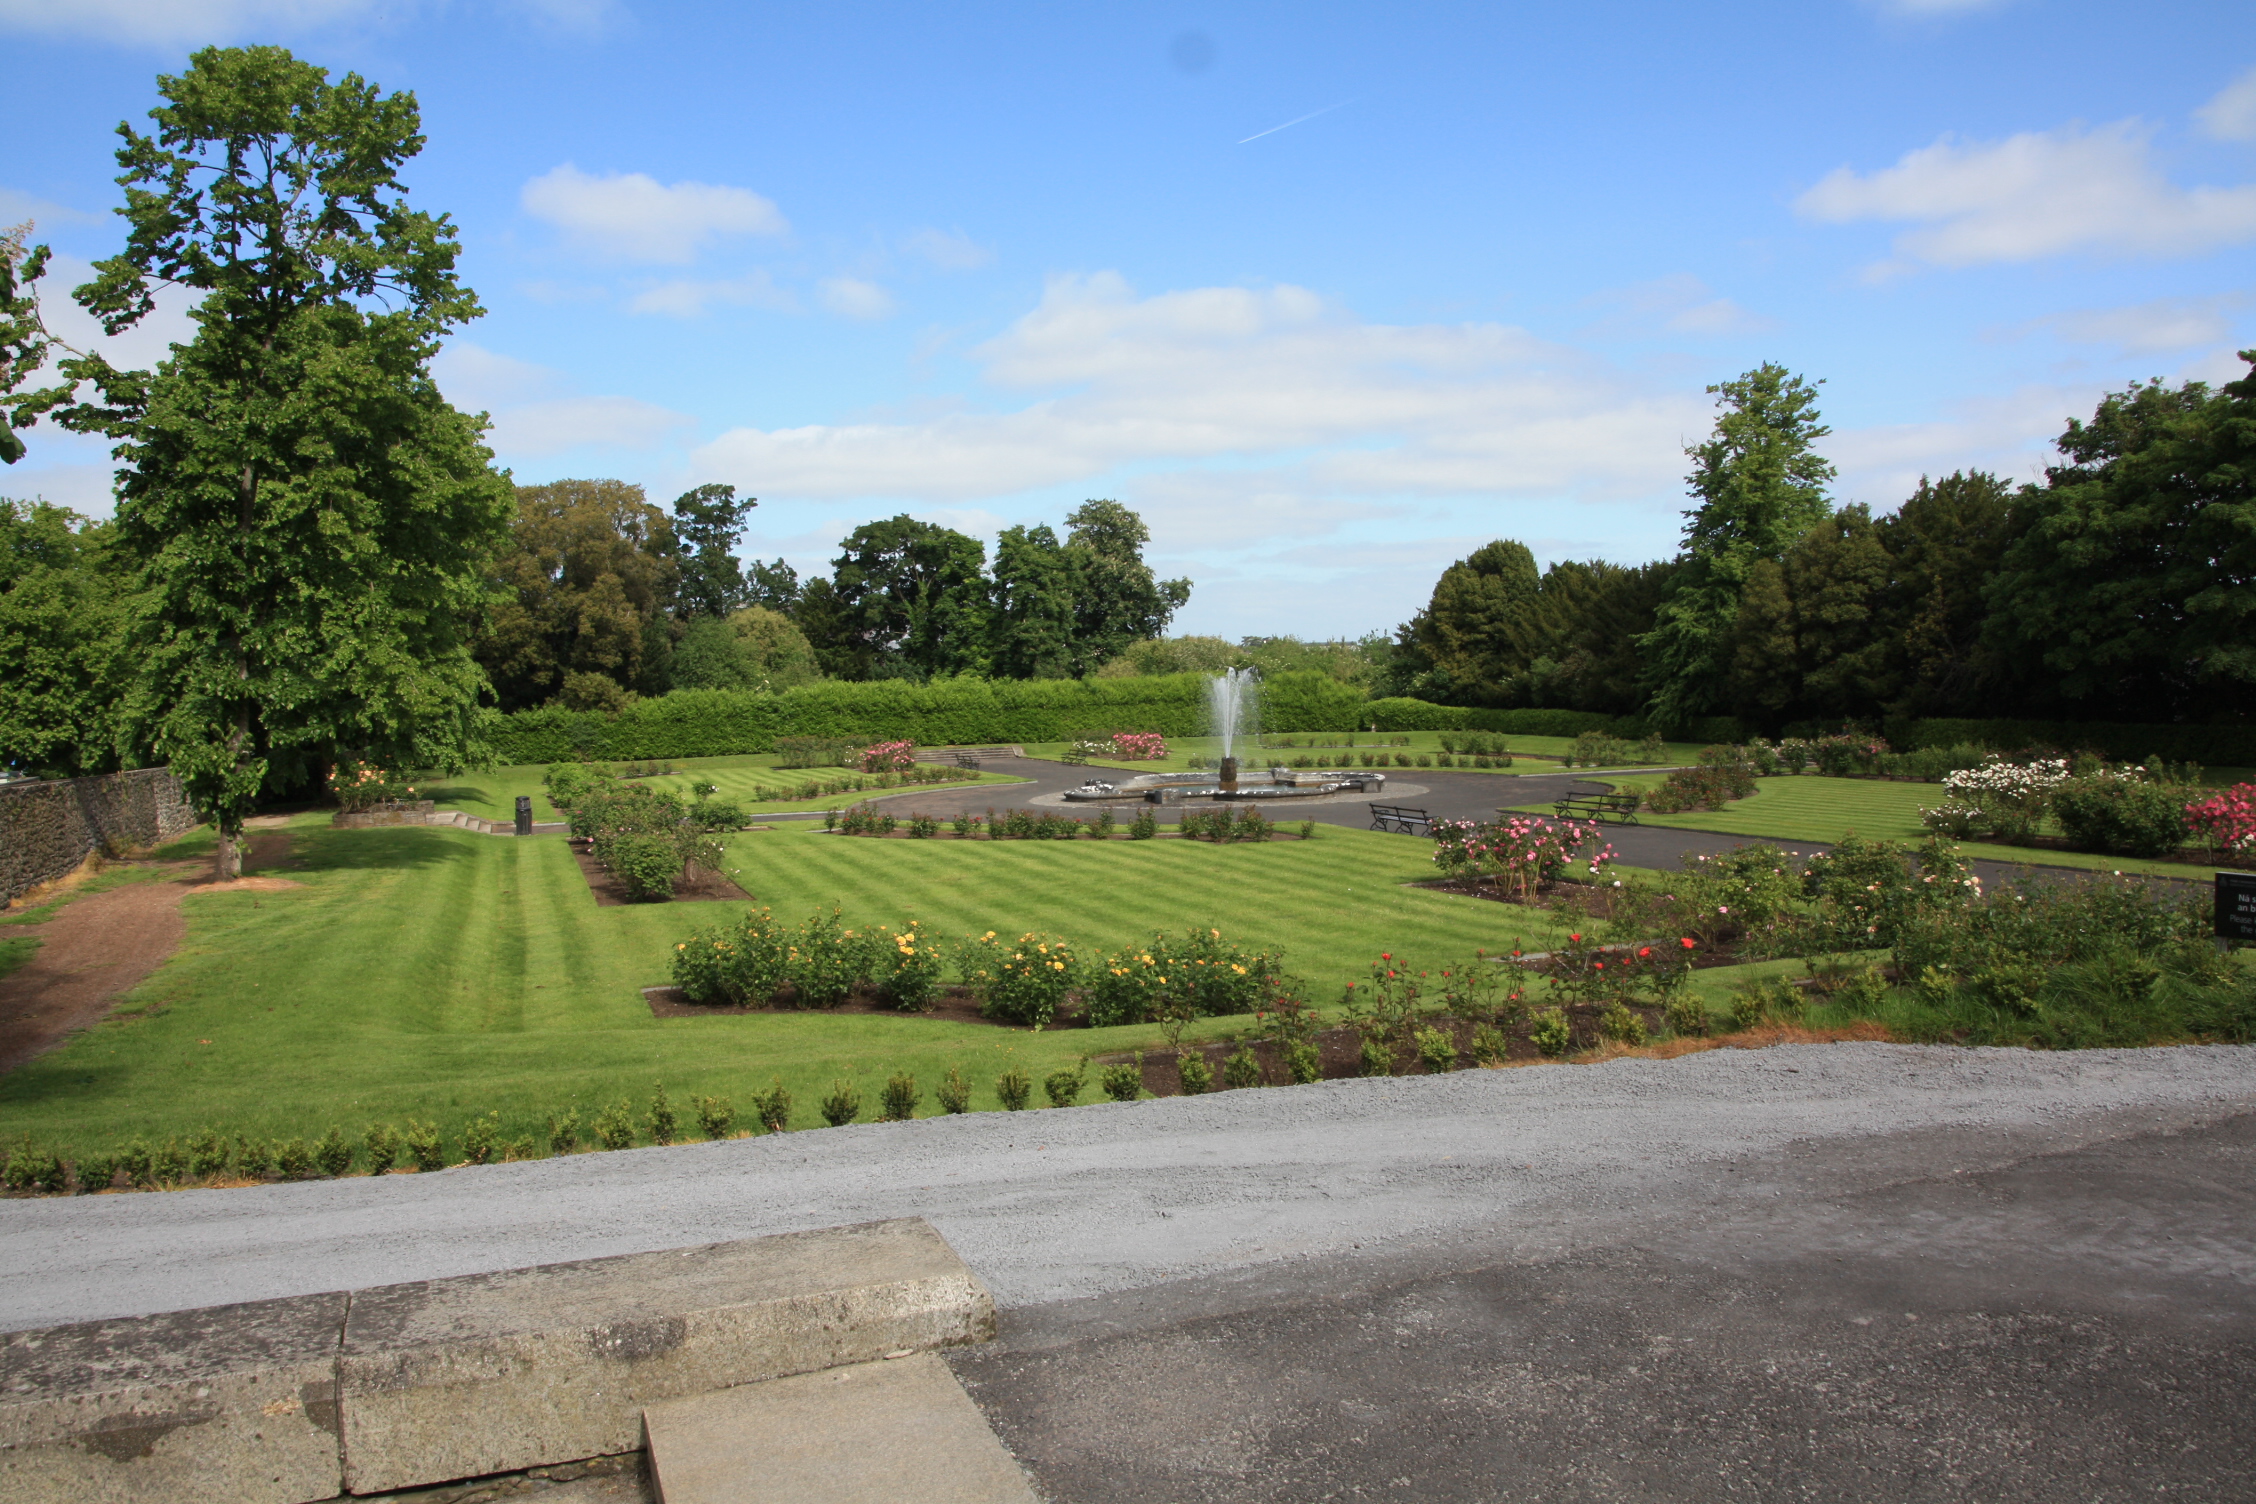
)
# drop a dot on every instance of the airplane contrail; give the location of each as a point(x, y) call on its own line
point(1311, 115)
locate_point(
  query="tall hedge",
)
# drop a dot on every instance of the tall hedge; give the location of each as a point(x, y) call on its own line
point(1399, 714)
point(945, 712)
point(2212, 746)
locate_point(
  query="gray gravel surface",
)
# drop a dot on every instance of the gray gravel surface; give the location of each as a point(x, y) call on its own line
point(1051, 1206)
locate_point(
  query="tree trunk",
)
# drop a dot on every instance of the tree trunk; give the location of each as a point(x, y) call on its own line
point(227, 862)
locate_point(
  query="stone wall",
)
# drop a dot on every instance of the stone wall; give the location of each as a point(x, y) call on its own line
point(49, 826)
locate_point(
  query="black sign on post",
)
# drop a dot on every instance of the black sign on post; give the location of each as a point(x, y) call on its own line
point(525, 816)
point(2236, 906)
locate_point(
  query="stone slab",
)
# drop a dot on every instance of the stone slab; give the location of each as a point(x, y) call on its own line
point(231, 1404)
point(901, 1429)
point(489, 1373)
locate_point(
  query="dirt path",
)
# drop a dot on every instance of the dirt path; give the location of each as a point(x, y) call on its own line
point(97, 948)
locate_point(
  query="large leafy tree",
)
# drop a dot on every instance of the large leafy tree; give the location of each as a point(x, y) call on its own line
point(2133, 579)
point(1116, 598)
point(908, 601)
point(1945, 543)
point(310, 517)
point(587, 575)
point(708, 521)
point(1030, 624)
point(1471, 641)
point(1761, 485)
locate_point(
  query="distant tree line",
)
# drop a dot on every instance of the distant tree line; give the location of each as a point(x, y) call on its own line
point(602, 595)
point(2122, 588)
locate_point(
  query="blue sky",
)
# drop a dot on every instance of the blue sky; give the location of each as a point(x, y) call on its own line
point(979, 262)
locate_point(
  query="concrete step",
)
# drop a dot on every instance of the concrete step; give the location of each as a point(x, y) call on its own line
point(901, 1428)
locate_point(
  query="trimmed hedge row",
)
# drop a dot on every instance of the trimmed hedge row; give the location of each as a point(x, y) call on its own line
point(971, 712)
point(947, 712)
point(2211, 746)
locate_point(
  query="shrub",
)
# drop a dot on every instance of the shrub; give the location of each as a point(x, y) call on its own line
point(1376, 1058)
point(1490, 1046)
point(1014, 1089)
point(254, 1157)
point(923, 827)
point(842, 1105)
point(1197, 1074)
point(1687, 1016)
point(334, 1153)
point(564, 1132)
point(613, 1126)
point(1241, 1069)
point(359, 785)
point(663, 1124)
point(748, 963)
point(953, 1093)
point(1144, 826)
point(1619, 1023)
point(897, 1103)
point(889, 757)
point(31, 1169)
point(1064, 1087)
point(382, 1141)
point(1709, 786)
point(1437, 1050)
point(2121, 814)
point(1023, 981)
point(1550, 1032)
point(1749, 1003)
point(1303, 1062)
point(825, 961)
point(94, 1172)
point(480, 1138)
point(2226, 820)
point(207, 1153)
point(1520, 854)
point(906, 966)
point(169, 1165)
point(1123, 1082)
point(646, 865)
point(773, 1106)
point(814, 751)
point(2012, 797)
point(293, 1159)
point(715, 1116)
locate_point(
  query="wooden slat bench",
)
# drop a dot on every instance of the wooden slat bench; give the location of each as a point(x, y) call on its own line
point(1620, 807)
point(1411, 822)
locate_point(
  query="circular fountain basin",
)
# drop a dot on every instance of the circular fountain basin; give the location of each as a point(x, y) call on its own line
point(1174, 788)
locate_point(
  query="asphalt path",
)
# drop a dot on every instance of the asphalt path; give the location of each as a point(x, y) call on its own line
point(1861, 1270)
point(1444, 793)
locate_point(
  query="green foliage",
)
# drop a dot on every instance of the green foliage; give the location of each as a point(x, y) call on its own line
point(563, 1132)
point(1123, 1082)
point(773, 1107)
point(1303, 1061)
point(647, 865)
point(1199, 972)
point(1550, 1032)
point(1490, 1047)
point(480, 1137)
point(1196, 1073)
point(34, 1169)
point(64, 591)
point(954, 1092)
point(1064, 1087)
point(94, 1172)
point(333, 1152)
point(207, 1153)
point(662, 1122)
point(1014, 1088)
point(910, 601)
point(897, 1103)
point(1687, 1017)
point(1144, 826)
point(254, 1157)
point(586, 575)
point(708, 522)
point(2121, 815)
point(1618, 1023)
point(841, 1105)
point(614, 1126)
point(1242, 1068)
point(1376, 1057)
point(1024, 981)
point(1437, 1050)
point(293, 1160)
point(715, 1116)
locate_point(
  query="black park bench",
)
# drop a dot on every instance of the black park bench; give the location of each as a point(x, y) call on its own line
point(1621, 807)
point(1411, 822)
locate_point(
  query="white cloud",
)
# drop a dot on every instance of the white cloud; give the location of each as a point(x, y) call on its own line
point(2146, 328)
point(534, 411)
point(1269, 377)
point(855, 299)
point(950, 250)
point(2037, 194)
point(2010, 436)
point(1680, 303)
point(2231, 116)
point(141, 346)
point(634, 217)
point(687, 299)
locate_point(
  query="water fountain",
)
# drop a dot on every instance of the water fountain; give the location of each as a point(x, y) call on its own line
point(1233, 702)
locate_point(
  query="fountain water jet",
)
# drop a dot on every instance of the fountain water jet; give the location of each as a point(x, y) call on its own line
point(1233, 702)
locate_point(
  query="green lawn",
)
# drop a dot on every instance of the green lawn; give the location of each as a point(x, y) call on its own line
point(1805, 807)
point(752, 780)
point(437, 973)
point(13, 953)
